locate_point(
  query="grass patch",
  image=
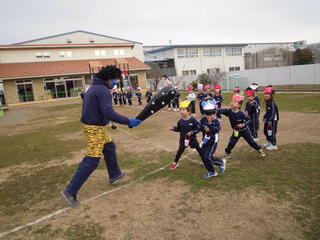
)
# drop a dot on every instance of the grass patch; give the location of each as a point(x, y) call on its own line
point(92, 231)
point(291, 173)
point(39, 146)
point(63, 107)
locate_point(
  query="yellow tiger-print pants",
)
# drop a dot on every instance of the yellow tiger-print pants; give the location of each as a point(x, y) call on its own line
point(97, 137)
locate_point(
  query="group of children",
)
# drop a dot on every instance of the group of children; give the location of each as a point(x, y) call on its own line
point(243, 124)
point(123, 95)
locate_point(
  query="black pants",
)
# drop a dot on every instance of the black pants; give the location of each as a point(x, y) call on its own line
point(139, 101)
point(175, 103)
point(246, 134)
point(130, 101)
point(115, 100)
point(120, 101)
point(274, 126)
point(193, 107)
point(207, 156)
point(148, 99)
point(253, 125)
point(124, 101)
point(182, 147)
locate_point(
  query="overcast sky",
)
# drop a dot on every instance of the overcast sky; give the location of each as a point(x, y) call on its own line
point(157, 22)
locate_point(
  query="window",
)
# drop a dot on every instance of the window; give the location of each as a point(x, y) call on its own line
point(67, 54)
point(46, 54)
point(42, 54)
point(211, 52)
point(234, 51)
point(189, 72)
point(213, 70)
point(39, 55)
point(118, 52)
point(232, 69)
point(121, 51)
point(100, 53)
point(25, 90)
point(187, 52)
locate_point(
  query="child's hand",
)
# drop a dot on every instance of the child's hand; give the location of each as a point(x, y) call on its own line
point(207, 129)
point(171, 128)
point(189, 134)
point(240, 126)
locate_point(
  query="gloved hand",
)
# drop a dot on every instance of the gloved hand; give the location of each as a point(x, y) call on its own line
point(133, 122)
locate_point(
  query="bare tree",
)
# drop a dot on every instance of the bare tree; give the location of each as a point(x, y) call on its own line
point(154, 75)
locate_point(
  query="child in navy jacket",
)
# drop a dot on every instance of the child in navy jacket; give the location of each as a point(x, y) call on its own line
point(239, 123)
point(270, 119)
point(148, 95)
point(218, 97)
point(139, 96)
point(187, 126)
point(252, 112)
point(210, 127)
point(255, 88)
point(129, 96)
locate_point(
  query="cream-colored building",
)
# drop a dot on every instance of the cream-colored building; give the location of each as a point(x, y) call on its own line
point(58, 66)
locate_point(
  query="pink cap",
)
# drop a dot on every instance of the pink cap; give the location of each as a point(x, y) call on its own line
point(268, 90)
point(217, 87)
point(190, 88)
point(128, 88)
point(237, 98)
point(200, 86)
point(249, 92)
point(207, 86)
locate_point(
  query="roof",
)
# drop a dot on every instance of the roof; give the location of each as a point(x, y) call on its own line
point(77, 31)
point(164, 48)
point(55, 68)
point(79, 45)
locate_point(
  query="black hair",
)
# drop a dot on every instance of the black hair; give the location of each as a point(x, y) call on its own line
point(210, 112)
point(109, 72)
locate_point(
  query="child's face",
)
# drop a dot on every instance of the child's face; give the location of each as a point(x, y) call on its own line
point(184, 113)
point(217, 91)
point(208, 90)
point(267, 96)
point(250, 98)
point(210, 117)
point(234, 105)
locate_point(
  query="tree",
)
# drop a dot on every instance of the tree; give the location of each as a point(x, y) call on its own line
point(212, 78)
point(154, 75)
point(303, 56)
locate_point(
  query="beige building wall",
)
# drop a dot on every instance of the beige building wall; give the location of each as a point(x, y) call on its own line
point(142, 78)
point(10, 89)
point(38, 89)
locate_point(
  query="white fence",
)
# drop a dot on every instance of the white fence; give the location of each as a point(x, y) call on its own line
point(291, 75)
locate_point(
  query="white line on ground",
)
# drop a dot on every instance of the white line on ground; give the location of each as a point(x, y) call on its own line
point(92, 198)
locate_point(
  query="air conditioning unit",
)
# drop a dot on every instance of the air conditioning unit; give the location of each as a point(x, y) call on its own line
point(69, 40)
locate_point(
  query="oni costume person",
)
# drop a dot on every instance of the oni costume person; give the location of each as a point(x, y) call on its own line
point(270, 119)
point(210, 127)
point(188, 127)
point(239, 123)
point(97, 111)
point(251, 110)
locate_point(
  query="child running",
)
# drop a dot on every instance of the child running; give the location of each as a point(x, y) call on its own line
point(270, 119)
point(252, 112)
point(187, 126)
point(239, 123)
point(210, 127)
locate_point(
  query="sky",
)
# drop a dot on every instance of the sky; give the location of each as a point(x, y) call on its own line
point(156, 22)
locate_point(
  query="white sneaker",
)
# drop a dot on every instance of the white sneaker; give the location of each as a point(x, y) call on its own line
point(267, 144)
point(272, 147)
point(261, 152)
point(226, 157)
point(256, 139)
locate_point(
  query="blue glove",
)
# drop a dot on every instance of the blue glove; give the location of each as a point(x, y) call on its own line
point(205, 140)
point(133, 122)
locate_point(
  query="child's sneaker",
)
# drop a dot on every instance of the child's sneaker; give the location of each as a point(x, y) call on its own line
point(174, 165)
point(261, 152)
point(210, 174)
point(223, 167)
point(227, 156)
point(256, 139)
point(272, 147)
point(267, 144)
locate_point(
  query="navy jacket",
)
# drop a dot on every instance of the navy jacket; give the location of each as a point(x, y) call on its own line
point(219, 99)
point(187, 125)
point(200, 96)
point(272, 113)
point(148, 94)
point(235, 118)
point(214, 127)
point(252, 109)
point(97, 106)
point(115, 95)
point(139, 95)
point(176, 97)
point(207, 95)
point(129, 94)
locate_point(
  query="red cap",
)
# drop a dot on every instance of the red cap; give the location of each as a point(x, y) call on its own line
point(249, 92)
point(236, 89)
point(237, 98)
point(268, 90)
point(190, 88)
point(207, 86)
point(217, 87)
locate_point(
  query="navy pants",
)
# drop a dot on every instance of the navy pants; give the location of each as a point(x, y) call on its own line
point(148, 99)
point(182, 147)
point(208, 159)
point(139, 101)
point(246, 134)
point(124, 101)
point(115, 100)
point(274, 126)
point(89, 164)
point(253, 125)
point(130, 101)
point(175, 103)
point(193, 107)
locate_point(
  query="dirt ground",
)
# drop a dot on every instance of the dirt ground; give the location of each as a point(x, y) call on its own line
point(157, 208)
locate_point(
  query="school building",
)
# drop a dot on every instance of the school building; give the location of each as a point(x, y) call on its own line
point(60, 66)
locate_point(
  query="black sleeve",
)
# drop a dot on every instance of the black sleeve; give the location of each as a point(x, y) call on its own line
point(224, 111)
